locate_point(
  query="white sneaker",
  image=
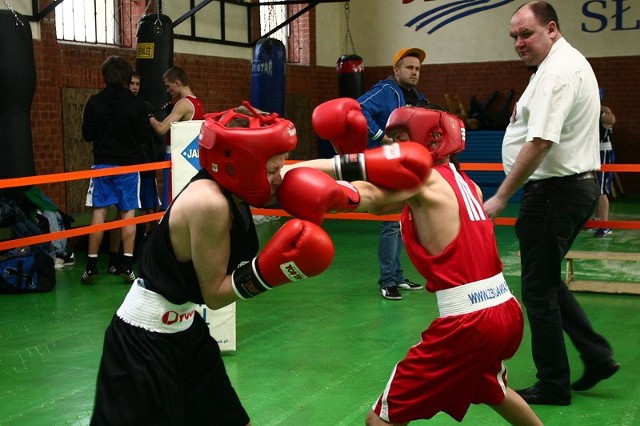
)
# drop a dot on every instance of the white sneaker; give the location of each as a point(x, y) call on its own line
point(391, 293)
point(58, 263)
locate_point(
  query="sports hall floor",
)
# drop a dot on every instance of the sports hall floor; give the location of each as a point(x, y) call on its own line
point(313, 353)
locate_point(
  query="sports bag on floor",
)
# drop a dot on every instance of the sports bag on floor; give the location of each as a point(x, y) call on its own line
point(26, 271)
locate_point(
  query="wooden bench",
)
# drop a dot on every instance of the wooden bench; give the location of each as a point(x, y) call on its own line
point(626, 287)
point(613, 287)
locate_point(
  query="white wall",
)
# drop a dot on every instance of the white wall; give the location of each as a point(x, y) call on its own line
point(330, 28)
point(379, 28)
point(208, 25)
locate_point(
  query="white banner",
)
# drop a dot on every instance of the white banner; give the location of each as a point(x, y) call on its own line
point(185, 163)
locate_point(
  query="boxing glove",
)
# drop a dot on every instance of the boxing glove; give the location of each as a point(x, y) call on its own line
point(396, 166)
point(308, 194)
point(299, 250)
point(340, 121)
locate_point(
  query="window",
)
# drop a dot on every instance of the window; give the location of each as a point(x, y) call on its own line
point(99, 21)
point(295, 36)
point(270, 18)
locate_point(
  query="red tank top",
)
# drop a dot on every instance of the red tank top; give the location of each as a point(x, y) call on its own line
point(198, 108)
point(473, 253)
point(198, 114)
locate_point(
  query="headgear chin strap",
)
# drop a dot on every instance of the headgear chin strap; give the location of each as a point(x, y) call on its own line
point(442, 133)
point(235, 148)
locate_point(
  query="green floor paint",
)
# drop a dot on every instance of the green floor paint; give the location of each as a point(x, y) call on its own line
point(312, 353)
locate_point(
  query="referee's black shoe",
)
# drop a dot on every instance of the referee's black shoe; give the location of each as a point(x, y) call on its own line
point(593, 375)
point(536, 394)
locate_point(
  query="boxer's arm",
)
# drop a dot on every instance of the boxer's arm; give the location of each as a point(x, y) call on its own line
point(182, 111)
point(325, 165)
point(310, 194)
point(398, 166)
point(380, 201)
point(199, 227)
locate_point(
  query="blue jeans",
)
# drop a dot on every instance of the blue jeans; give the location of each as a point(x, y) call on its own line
point(57, 247)
point(389, 250)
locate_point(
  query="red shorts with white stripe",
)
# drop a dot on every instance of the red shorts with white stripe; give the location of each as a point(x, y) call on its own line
point(459, 362)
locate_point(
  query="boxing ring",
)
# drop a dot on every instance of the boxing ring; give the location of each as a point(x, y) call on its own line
point(185, 163)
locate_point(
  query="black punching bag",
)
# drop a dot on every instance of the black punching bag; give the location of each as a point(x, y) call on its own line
point(349, 69)
point(17, 86)
point(154, 56)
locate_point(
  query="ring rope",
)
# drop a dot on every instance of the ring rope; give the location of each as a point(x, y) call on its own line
point(86, 174)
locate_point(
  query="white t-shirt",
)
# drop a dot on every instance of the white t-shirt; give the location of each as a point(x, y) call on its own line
point(561, 104)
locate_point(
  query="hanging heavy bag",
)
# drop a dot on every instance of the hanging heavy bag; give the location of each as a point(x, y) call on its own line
point(154, 56)
point(268, 78)
point(17, 85)
point(349, 69)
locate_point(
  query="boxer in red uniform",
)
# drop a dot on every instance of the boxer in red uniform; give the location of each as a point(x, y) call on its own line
point(184, 106)
point(160, 364)
point(459, 359)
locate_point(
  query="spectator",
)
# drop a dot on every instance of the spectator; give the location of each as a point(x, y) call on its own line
point(607, 156)
point(377, 104)
point(116, 122)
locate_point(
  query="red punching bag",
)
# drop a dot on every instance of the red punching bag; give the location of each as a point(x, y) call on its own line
point(17, 85)
point(349, 69)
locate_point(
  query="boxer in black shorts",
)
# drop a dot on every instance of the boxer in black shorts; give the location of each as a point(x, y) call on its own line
point(160, 365)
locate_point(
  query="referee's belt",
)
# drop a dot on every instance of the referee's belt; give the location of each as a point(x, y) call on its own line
point(148, 310)
point(474, 296)
point(559, 180)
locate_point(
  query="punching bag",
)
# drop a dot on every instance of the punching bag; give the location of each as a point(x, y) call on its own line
point(268, 75)
point(349, 69)
point(154, 56)
point(17, 86)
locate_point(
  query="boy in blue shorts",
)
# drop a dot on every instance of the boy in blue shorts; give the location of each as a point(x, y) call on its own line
point(116, 122)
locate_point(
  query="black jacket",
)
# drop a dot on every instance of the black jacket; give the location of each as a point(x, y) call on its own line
point(117, 123)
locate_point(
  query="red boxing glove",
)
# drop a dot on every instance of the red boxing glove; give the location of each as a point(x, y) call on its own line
point(299, 250)
point(396, 166)
point(309, 193)
point(341, 122)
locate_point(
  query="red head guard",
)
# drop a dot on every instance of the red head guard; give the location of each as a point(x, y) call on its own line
point(442, 133)
point(236, 157)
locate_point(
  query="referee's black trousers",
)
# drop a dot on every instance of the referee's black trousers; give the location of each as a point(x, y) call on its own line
point(552, 213)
